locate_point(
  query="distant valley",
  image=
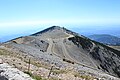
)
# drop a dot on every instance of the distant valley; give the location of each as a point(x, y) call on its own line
point(106, 39)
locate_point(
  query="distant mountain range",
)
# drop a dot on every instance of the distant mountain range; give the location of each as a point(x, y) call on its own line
point(106, 39)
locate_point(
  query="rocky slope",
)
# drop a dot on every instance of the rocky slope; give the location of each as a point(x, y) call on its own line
point(8, 72)
point(73, 56)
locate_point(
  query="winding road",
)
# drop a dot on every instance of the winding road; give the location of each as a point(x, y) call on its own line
point(64, 52)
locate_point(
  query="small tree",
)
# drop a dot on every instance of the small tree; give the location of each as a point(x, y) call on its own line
point(29, 65)
point(50, 72)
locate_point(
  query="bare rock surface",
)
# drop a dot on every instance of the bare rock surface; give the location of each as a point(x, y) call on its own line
point(1, 61)
point(9, 73)
point(68, 50)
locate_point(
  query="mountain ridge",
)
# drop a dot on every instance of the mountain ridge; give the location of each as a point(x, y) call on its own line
point(106, 39)
point(62, 47)
point(53, 28)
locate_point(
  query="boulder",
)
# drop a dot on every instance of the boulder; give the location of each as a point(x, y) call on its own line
point(1, 61)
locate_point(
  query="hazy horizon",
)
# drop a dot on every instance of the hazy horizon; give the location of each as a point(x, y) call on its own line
point(23, 17)
point(86, 31)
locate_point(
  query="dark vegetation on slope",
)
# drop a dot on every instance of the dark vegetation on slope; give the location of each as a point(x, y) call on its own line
point(3, 77)
point(84, 42)
point(95, 54)
point(117, 71)
point(107, 47)
point(106, 57)
point(109, 61)
point(70, 32)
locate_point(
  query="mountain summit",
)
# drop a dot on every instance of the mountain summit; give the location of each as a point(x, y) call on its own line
point(54, 31)
point(66, 49)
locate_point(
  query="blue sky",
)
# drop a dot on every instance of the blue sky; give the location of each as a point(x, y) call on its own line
point(21, 12)
point(23, 15)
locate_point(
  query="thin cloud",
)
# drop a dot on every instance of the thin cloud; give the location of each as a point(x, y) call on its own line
point(59, 22)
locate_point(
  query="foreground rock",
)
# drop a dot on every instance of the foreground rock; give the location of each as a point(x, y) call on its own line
point(1, 61)
point(9, 73)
